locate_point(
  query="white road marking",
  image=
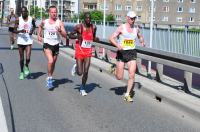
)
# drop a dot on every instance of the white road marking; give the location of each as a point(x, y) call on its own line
point(3, 124)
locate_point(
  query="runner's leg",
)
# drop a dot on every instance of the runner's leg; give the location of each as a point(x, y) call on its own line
point(21, 57)
point(86, 65)
point(28, 54)
point(120, 70)
point(131, 73)
point(53, 64)
point(79, 68)
point(49, 56)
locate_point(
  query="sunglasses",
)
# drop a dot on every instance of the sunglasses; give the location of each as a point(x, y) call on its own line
point(132, 18)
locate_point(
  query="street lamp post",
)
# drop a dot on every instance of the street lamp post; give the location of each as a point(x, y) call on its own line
point(151, 35)
point(104, 18)
point(61, 10)
point(78, 13)
point(41, 9)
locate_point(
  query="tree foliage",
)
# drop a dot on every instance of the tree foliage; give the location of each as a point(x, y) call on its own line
point(37, 12)
point(110, 17)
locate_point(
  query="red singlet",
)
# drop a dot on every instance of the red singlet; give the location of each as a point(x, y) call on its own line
point(84, 49)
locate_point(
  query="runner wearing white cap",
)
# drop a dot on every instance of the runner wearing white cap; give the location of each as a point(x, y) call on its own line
point(126, 53)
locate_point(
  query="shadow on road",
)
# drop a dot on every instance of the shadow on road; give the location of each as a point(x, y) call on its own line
point(58, 82)
point(122, 89)
point(89, 87)
point(35, 75)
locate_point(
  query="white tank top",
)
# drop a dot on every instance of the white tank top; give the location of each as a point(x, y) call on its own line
point(12, 20)
point(51, 36)
point(126, 39)
point(25, 38)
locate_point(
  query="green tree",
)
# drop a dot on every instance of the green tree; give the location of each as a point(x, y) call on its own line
point(96, 15)
point(37, 12)
point(110, 17)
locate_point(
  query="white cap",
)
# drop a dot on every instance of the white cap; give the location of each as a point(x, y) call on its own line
point(131, 14)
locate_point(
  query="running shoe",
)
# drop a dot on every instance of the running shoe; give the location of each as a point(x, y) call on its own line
point(11, 47)
point(49, 83)
point(82, 91)
point(128, 98)
point(21, 75)
point(73, 71)
point(26, 70)
point(112, 69)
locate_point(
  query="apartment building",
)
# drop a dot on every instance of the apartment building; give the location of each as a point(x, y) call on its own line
point(178, 12)
point(117, 7)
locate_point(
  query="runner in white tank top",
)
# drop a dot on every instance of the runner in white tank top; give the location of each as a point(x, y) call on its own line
point(25, 25)
point(126, 53)
point(53, 29)
point(11, 24)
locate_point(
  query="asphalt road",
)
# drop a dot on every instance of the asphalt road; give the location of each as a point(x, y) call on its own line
point(35, 109)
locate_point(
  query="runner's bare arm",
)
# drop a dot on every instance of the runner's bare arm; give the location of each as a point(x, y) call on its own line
point(33, 27)
point(141, 38)
point(62, 30)
point(114, 36)
point(39, 32)
point(75, 33)
point(16, 26)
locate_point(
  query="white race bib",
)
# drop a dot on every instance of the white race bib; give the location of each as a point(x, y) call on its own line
point(86, 44)
point(51, 35)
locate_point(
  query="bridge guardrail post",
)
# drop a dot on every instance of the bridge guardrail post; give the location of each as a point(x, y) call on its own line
point(187, 81)
point(139, 66)
point(159, 72)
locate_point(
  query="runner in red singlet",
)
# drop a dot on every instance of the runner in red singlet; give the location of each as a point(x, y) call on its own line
point(85, 33)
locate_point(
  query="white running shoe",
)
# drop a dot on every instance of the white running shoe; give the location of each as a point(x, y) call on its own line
point(73, 71)
point(83, 93)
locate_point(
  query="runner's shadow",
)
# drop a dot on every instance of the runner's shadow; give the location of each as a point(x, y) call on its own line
point(89, 87)
point(122, 89)
point(119, 90)
point(58, 82)
point(35, 75)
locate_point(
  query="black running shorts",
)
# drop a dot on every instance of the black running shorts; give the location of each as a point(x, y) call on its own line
point(53, 48)
point(126, 55)
point(11, 29)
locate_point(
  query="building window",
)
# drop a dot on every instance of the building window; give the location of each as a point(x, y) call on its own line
point(153, 18)
point(138, 18)
point(179, 19)
point(118, 17)
point(180, 1)
point(139, 8)
point(165, 0)
point(154, 9)
point(90, 6)
point(180, 9)
point(191, 19)
point(128, 8)
point(193, 1)
point(165, 8)
point(192, 10)
point(165, 18)
point(102, 7)
point(118, 7)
